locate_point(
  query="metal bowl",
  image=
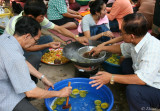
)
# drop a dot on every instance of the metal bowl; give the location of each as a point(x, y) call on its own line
point(83, 50)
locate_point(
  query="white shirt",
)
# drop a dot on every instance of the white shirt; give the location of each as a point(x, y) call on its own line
point(146, 59)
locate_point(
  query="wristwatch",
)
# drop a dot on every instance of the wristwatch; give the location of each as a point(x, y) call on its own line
point(112, 79)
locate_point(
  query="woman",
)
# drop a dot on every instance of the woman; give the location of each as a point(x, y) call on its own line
point(119, 9)
point(96, 24)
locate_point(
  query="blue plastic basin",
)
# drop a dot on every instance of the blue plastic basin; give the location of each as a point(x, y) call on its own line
point(104, 94)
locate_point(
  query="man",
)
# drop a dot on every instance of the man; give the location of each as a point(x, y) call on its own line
point(143, 90)
point(37, 10)
point(15, 80)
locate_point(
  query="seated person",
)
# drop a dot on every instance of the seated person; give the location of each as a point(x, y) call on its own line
point(96, 24)
point(59, 14)
point(37, 10)
point(146, 7)
point(15, 80)
point(73, 5)
point(143, 81)
point(119, 9)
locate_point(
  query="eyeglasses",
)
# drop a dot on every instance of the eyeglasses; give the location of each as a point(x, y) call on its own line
point(36, 41)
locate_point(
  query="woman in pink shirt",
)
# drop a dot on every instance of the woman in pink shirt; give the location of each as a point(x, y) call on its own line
point(119, 9)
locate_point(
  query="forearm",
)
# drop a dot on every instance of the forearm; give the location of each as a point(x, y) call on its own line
point(33, 71)
point(128, 79)
point(95, 37)
point(41, 93)
point(115, 40)
point(71, 11)
point(113, 49)
point(37, 47)
point(70, 15)
point(64, 31)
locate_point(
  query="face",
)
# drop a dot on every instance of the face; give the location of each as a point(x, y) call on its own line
point(39, 18)
point(126, 37)
point(31, 41)
point(103, 11)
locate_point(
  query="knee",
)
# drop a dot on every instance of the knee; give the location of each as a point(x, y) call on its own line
point(132, 92)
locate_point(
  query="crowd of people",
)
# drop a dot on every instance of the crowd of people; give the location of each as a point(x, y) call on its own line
point(22, 46)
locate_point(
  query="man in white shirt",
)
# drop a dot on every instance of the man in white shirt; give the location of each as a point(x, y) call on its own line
point(143, 91)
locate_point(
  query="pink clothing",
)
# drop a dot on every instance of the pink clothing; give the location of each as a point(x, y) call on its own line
point(100, 22)
point(119, 9)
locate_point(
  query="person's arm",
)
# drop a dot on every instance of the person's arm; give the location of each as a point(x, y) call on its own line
point(107, 34)
point(43, 46)
point(113, 49)
point(112, 41)
point(41, 93)
point(38, 75)
point(83, 40)
point(102, 78)
point(114, 11)
point(70, 15)
point(72, 11)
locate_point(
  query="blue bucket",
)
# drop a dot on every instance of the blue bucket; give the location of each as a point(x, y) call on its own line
point(83, 84)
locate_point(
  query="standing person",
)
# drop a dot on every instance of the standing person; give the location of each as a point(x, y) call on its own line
point(119, 9)
point(143, 90)
point(37, 10)
point(59, 14)
point(15, 80)
point(96, 24)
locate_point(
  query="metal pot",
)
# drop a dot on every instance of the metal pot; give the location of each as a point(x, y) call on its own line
point(70, 51)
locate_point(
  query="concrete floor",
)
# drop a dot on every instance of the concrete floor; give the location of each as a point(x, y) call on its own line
point(61, 72)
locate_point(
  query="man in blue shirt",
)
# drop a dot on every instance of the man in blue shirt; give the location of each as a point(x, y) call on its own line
point(15, 80)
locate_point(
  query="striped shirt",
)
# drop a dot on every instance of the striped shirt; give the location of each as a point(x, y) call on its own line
point(10, 28)
point(146, 59)
point(14, 73)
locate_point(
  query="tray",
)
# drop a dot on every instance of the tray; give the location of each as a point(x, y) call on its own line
point(52, 54)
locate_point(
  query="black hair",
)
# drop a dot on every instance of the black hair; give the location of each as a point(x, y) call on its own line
point(96, 6)
point(35, 8)
point(135, 24)
point(27, 25)
point(17, 8)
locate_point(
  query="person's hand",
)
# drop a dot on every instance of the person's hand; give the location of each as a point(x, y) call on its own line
point(100, 79)
point(83, 40)
point(65, 92)
point(47, 83)
point(79, 17)
point(54, 45)
point(108, 34)
point(77, 13)
point(95, 51)
point(102, 44)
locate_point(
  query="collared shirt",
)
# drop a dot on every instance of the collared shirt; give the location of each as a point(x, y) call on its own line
point(10, 28)
point(55, 9)
point(14, 73)
point(146, 59)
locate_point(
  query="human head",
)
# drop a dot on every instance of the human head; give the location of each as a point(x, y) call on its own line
point(134, 24)
point(28, 29)
point(98, 7)
point(36, 9)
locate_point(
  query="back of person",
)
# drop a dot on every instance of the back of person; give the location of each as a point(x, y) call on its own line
point(147, 9)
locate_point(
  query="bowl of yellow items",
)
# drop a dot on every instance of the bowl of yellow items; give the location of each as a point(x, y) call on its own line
point(54, 57)
point(83, 2)
point(112, 64)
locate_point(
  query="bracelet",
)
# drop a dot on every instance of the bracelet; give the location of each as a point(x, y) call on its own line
point(112, 79)
point(41, 77)
point(76, 36)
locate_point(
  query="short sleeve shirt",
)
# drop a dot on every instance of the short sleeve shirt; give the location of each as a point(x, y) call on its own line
point(145, 56)
point(55, 9)
point(14, 73)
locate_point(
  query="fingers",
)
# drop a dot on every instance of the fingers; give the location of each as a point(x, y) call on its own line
point(99, 86)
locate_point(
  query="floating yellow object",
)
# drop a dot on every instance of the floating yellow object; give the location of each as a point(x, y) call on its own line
point(97, 102)
point(104, 105)
point(54, 106)
point(75, 91)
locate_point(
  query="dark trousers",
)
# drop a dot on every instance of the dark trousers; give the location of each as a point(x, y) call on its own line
point(140, 97)
point(25, 105)
point(34, 58)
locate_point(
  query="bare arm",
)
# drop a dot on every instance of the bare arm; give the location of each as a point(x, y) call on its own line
point(105, 77)
point(71, 15)
point(41, 93)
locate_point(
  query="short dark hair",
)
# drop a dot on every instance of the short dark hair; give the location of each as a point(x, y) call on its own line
point(27, 25)
point(96, 6)
point(135, 24)
point(35, 8)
